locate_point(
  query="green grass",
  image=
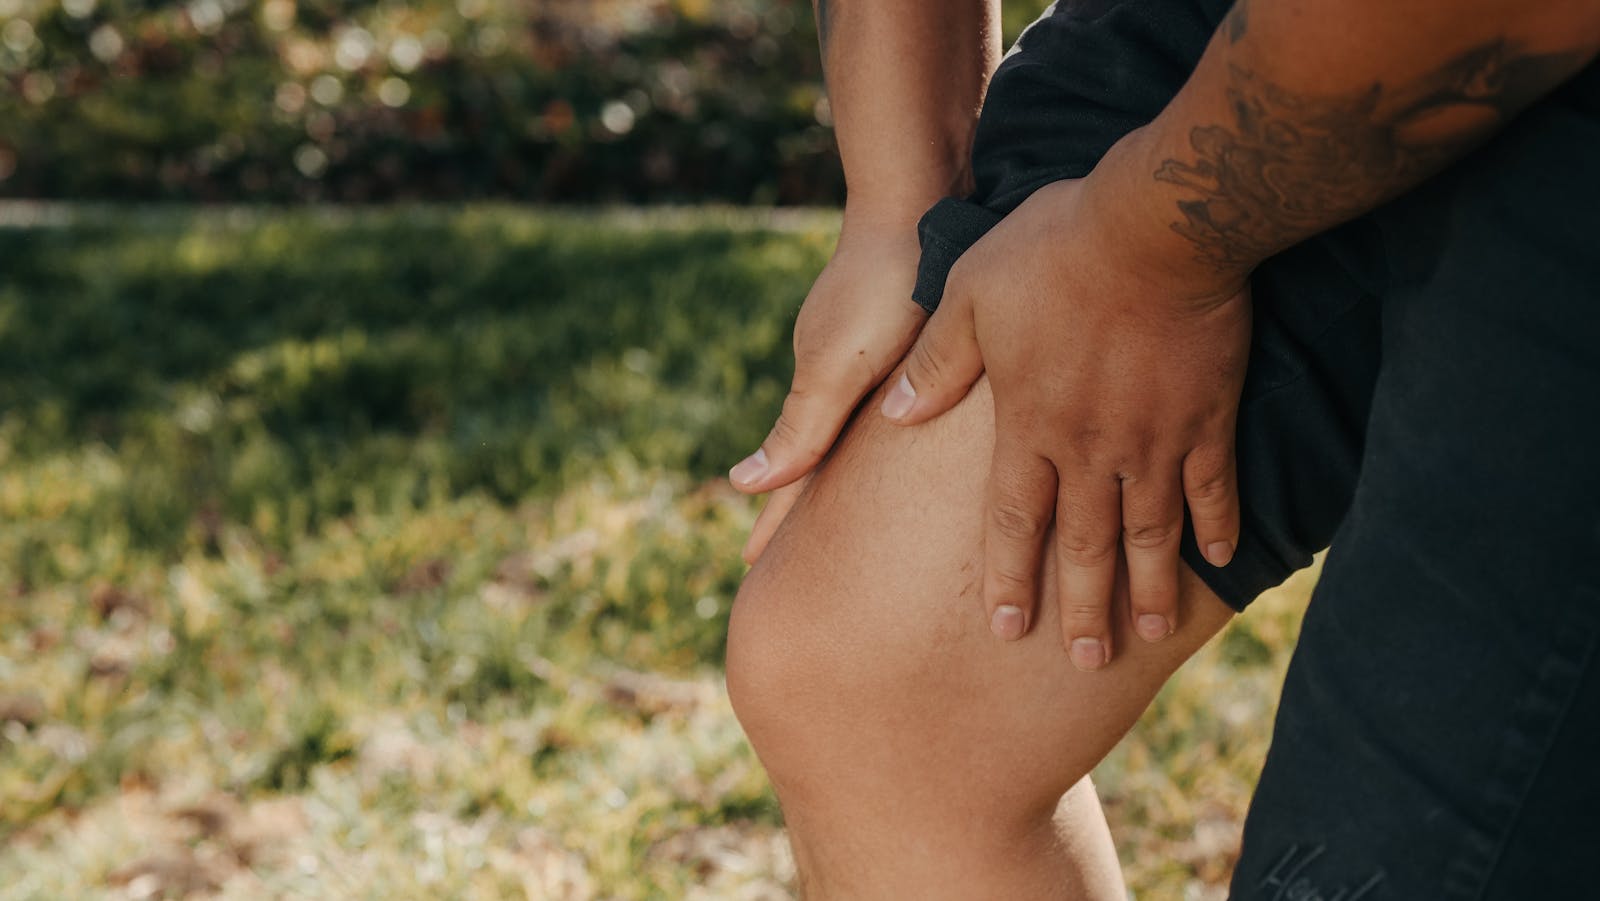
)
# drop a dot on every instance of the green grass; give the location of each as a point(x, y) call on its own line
point(385, 554)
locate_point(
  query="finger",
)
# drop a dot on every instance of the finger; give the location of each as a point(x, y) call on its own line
point(940, 368)
point(807, 426)
point(1021, 491)
point(1088, 523)
point(1152, 529)
point(779, 503)
point(1210, 485)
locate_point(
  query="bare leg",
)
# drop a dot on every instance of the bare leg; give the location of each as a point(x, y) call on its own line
point(915, 755)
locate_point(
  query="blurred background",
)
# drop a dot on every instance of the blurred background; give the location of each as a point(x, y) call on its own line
point(368, 371)
point(540, 100)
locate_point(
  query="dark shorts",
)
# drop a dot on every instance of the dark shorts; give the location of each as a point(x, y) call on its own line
point(1423, 395)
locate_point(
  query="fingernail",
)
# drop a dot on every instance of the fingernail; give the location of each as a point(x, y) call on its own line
point(1007, 622)
point(1219, 553)
point(1088, 654)
point(750, 468)
point(1153, 626)
point(897, 403)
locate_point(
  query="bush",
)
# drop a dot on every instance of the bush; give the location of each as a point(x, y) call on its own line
point(328, 100)
point(571, 101)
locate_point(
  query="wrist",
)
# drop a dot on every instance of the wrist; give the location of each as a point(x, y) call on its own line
point(885, 214)
point(1142, 217)
point(864, 236)
point(898, 199)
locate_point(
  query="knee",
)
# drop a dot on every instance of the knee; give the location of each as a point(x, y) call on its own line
point(807, 696)
point(747, 676)
point(892, 781)
point(834, 706)
point(766, 691)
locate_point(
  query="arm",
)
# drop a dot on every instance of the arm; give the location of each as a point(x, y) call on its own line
point(905, 81)
point(1112, 313)
point(1303, 115)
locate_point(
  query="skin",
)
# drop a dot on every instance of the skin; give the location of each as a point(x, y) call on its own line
point(1075, 391)
point(1112, 314)
point(905, 82)
point(914, 755)
point(906, 79)
point(1115, 457)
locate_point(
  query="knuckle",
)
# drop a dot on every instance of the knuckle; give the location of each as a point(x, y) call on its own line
point(1210, 519)
point(1088, 434)
point(1148, 536)
point(1082, 613)
point(1212, 486)
point(1130, 460)
point(785, 430)
point(1087, 440)
point(1085, 550)
point(1016, 523)
point(1009, 580)
point(792, 437)
point(928, 362)
point(1208, 474)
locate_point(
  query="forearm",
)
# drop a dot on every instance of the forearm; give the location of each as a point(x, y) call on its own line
point(905, 81)
point(1303, 115)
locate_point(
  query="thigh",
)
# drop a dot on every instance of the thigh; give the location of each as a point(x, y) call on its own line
point(861, 662)
point(1439, 724)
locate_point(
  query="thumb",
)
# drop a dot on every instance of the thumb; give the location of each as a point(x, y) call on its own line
point(806, 428)
point(940, 368)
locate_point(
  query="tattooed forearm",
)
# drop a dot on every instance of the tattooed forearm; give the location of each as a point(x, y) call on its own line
point(1289, 164)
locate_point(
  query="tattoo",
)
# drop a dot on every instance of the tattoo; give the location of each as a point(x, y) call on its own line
point(1289, 165)
point(1237, 21)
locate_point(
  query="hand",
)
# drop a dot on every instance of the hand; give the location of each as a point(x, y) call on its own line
point(853, 328)
point(1116, 385)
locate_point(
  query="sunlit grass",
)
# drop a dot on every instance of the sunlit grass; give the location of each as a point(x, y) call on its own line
point(384, 554)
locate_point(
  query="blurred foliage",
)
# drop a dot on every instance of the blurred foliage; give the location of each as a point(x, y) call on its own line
point(549, 100)
point(399, 539)
point(387, 554)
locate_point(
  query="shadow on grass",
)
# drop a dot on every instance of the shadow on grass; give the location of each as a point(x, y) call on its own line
point(301, 361)
point(275, 485)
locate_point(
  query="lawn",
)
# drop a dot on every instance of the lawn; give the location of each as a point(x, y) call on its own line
point(385, 554)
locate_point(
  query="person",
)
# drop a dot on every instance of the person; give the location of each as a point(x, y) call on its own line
point(1216, 286)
